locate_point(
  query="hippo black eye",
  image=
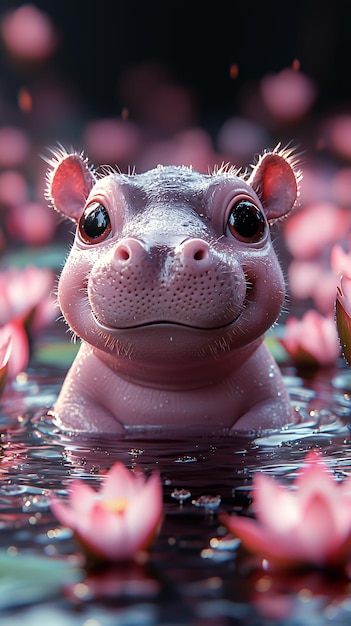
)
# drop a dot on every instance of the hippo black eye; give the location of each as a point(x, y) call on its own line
point(94, 225)
point(246, 222)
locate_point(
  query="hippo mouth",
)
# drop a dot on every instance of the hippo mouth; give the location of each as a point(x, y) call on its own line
point(165, 323)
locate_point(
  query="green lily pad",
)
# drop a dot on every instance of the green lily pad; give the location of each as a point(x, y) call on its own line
point(60, 353)
point(275, 348)
point(52, 256)
point(26, 579)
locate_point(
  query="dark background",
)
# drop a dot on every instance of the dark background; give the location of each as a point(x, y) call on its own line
point(198, 42)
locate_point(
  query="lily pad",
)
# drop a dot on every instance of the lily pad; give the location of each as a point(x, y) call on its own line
point(52, 256)
point(60, 353)
point(27, 579)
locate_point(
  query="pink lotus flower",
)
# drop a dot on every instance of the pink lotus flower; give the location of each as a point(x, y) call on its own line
point(343, 316)
point(309, 525)
point(28, 33)
point(14, 147)
point(337, 134)
point(119, 520)
point(31, 223)
point(23, 291)
point(340, 261)
point(312, 279)
point(5, 350)
point(14, 351)
point(304, 241)
point(312, 340)
point(289, 94)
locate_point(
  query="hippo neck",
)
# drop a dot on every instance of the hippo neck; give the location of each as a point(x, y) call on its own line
point(173, 376)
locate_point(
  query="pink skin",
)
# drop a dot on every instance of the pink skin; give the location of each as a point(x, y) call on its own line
point(171, 305)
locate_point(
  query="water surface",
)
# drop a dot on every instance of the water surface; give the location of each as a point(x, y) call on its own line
point(195, 573)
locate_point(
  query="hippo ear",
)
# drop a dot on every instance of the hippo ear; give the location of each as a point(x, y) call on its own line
point(275, 180)
point(70, 180)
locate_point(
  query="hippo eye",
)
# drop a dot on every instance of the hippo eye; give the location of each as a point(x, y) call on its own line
point(94, 225)
point(246, 222)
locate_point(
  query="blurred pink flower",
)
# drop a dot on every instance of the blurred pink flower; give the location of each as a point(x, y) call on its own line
point(14, 351)
point(118, 521)
point(14, 146)
point(337, 134)
point(312, 340)
point(23, 295)
point(112, 141)
point(31, 223)
point(5, 350)
point(341, 186)
point(289, 94)
point(13, 188)
point(340, 261)
point(28, 33)
point(239, 138)
point(308, 232)
point(315, 185)
point(343, 316)
point(192, 147)
point(307, 525)
point(310, 279)
point(23, 292)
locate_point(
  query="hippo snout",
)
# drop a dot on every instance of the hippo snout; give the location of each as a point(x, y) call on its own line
point(188, 284)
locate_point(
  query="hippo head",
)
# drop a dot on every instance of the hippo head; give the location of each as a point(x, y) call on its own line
point(171, 267)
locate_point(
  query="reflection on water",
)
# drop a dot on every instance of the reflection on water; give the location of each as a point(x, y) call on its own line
point(195, 573)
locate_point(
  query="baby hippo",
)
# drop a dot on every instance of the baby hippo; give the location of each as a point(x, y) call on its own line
point(171, 283)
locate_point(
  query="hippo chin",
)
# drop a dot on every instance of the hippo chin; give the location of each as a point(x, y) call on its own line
point(171, 283)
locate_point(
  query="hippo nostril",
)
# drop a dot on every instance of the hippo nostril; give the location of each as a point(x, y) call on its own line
point(122, 253)
point(195, 250)
point(129, 251)
point(200, 254)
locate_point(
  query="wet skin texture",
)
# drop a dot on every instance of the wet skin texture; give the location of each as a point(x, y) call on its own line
point(171, 283)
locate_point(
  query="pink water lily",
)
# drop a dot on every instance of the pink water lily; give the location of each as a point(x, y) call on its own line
point(312, 340)
point(5, 351)
point(306, 242)
point(343, 315)
point(14, 351)
point(307, 525)
point(117, 522)
point(340, 261)
point(23, 292)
